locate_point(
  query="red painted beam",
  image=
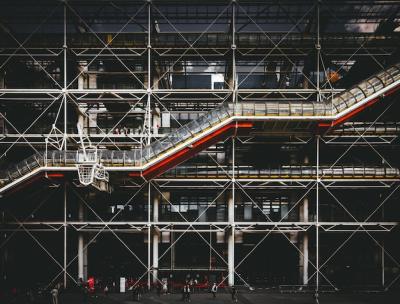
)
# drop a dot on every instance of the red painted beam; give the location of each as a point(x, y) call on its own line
point(348, 115)
point(390, 92)
point(324, 125)
point(55, 175)
point(188, 152)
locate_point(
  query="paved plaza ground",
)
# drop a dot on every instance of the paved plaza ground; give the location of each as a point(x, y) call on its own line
point(256, 297)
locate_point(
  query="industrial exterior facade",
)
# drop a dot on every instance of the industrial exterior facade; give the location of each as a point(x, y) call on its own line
point(245, 142)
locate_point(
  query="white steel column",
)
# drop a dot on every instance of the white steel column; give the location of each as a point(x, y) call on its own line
point(304, 243)
point(65, 235)
point(149, 237)
point(231, 240)
point(231, 198)
point(156, 237)
point(82, 251)
point(317, 220)
point(318, 48)
point(65, 78)
point(149, 75)
point(65, 140)
point(231, 219)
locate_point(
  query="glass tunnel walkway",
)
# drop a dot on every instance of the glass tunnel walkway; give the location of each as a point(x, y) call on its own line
point(226, 120)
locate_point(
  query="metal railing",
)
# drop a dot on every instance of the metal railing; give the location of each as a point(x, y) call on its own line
point(300, 172)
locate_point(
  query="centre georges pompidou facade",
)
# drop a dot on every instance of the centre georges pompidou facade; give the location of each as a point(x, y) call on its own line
point(245, 142)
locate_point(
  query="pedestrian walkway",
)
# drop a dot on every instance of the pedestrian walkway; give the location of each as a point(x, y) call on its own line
point(224, 297)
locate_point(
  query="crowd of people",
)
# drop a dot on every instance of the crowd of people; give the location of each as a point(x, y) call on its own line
point(134, 291)
point(191, 287)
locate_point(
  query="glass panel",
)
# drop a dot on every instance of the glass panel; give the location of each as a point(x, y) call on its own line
point(194, 127)
point(212, 117)
point(367, 88)
point(248, 109)
point(157, 148)
point(174, 138)
point(238, 109)
point(340, 104)
point(348, 98)
point(308, 109)
point(203, 122)
point(319, 109)
point(385, 77)
point(180, 135)
point(165, 144)
point(147, 153)
point(394, 72)
point(296, 109)
point(222, 112)
point(272, 109)
point(118, 157)
point(259, 109)
point(231, 109)
point(376, 83)
point(283, 109)
point(129, 157)
point(358, 94)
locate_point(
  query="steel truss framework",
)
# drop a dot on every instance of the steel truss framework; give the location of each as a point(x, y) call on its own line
point(243, 42)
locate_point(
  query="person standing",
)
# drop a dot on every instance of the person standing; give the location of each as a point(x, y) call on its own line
point(234, 294)
point(195, 283)
point(214, 290)
point(165, 288)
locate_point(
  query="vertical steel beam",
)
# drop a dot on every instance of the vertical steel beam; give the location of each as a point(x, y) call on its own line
point(65, 140)
point(65, 235)
point(383, 264)
point(304, 243)
point(318, 48)
point(82, 248)
point(81, 245)
point(231, 199)
point(317, 219)
point(233, 47)
point(149, 237)
point(149, 140)
point(149, 90)
point(231, 218)
point(156, 238)
point(65, 77)
point(305, 258)
point(172, 241)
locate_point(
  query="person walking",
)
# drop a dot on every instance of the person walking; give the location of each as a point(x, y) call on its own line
point(214, 290)
point(188, 290)
point(140, 292)
point(54, 295)
point(234, 294)
point(184, 293)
